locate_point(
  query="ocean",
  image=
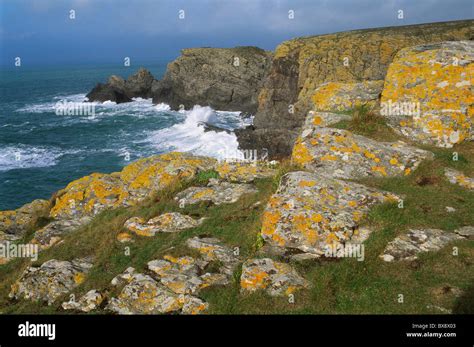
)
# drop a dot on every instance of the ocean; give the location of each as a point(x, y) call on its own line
point(41, 151)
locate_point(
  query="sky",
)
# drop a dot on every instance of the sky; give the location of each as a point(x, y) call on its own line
point(107, 31)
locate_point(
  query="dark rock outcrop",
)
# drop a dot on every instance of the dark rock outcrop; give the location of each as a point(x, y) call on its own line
point(119, 90)
point(223, 78)
point(301, 65)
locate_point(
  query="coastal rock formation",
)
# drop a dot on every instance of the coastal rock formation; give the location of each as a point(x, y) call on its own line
point(19, 221)
point(92, 194)
point(409, 245)
point(310, 212)
point(217, 192)
point(302, 65)
point(341, 154)
point(456, 177)
point(274, 277)
point(166, 223)
point(86, 303)
point(175, 282)
point(223, 78)
point(51, 280)
point(119, 90)
point(437, 81)
point(337, 96)
point(243, 171)
point(55, 231)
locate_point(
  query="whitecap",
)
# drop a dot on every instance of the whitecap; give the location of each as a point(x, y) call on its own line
point(190, 136)
point(24, 156)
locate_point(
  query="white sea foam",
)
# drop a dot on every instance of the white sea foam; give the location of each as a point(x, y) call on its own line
point(189, 136)
point(24, 156)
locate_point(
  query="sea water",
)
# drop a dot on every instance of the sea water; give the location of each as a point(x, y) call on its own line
point(41, 151)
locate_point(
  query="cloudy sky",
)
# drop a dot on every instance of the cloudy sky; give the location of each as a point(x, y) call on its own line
point(41, 31)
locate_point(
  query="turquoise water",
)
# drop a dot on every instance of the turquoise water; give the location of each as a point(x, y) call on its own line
point(41, 152)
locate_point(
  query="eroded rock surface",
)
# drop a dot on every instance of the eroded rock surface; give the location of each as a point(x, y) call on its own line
point(86, 303)
point(92, 194)
point(457, 177)
point(217, 192)
point(414, 242)
point(310, 212)
point(223, 78)
point(55, 231)
point(274, 277)
point(341, 154)
point(21, 220)
point(245, 172)
point(337, 96)
point(51, 280)
point(439, 77)
point(166, 223)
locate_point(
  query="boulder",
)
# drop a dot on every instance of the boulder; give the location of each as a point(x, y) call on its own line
point(166, 223)
point(245, 172)
point(457, 177)
point(139, 84)
point(92, 194)
point(428, 93)
point(274, 277)
point(51, 280)
point(19, 221)
point(311, 211)
point(216, 192)
point(341, 154)
point(86, 303)
point(105, 92)
point(408, 246)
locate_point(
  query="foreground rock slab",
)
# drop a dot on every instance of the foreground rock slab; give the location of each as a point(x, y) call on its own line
point(274, 277)
point(456, 177)
point(166, 223)
point(55, 231)
point(217, 192)
point(438, 78)
point(337, 96)
point(414, 242)
point(19, 221)
point(51, 280)
point(244, 172)
point(339, 153)
point(86, 303)
point(310, 212)
point(92, 194)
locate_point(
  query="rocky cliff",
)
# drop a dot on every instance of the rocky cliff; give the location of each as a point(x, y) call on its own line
point(302, 65)
point(225, 79)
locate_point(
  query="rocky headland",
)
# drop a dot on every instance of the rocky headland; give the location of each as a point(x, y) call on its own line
point(373, 129)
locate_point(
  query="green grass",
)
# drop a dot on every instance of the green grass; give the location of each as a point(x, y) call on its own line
point(367, 123)
point(337, 286)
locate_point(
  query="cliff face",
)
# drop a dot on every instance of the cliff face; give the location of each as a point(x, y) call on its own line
point(223, 78)
point(301, 65)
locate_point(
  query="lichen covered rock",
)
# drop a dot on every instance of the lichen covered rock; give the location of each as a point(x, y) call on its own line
point(239, 171)
point(217, 192)
point(341, 154)
point(88, 302)
point(51, 280)
point(21, 220)
point(414, 242)
point(338, 96)
point(55, 231)
point(274, 277)
point(440, 78)
point(166, 223)
point(310, 212)
point(92, 194)
point(456, 177)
